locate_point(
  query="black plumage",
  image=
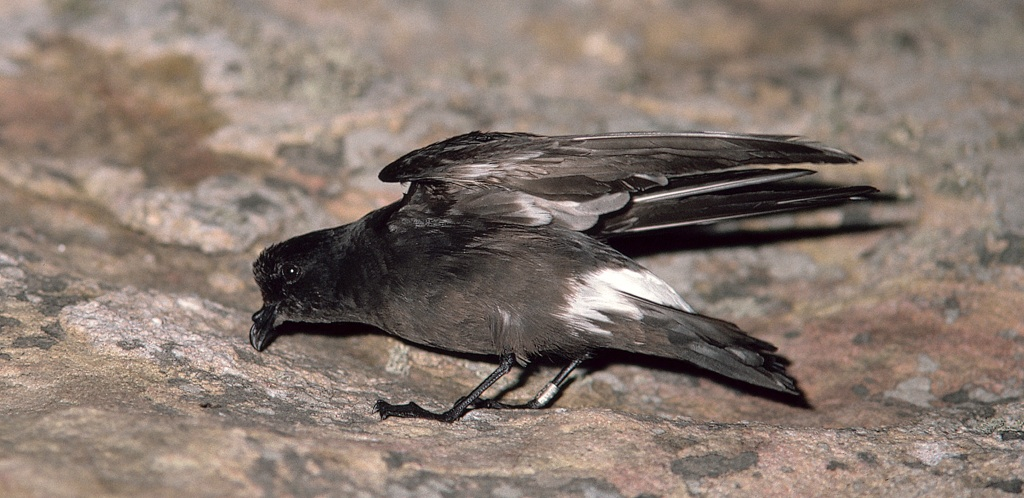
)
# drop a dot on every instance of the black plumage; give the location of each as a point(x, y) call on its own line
point(498, 248)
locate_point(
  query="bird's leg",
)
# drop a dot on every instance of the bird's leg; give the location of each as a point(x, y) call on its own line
point(546, 394)
point(464, 404)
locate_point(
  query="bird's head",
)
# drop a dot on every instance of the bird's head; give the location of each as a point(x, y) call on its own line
point(293, 281)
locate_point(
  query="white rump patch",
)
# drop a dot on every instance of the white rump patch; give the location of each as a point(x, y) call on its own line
point(606, 292)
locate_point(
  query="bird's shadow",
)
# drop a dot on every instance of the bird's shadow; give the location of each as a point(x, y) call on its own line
point(338, 329)
point(697, 238)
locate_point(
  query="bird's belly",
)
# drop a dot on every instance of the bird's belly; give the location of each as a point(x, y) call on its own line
point(503, 290)
point(491, 319)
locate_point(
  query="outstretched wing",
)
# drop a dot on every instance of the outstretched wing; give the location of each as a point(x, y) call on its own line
point(636, 178)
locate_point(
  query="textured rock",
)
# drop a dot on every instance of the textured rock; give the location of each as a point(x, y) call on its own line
point(223, 213)
point(149, 150)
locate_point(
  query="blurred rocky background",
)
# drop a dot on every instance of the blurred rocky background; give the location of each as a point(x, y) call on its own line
point(150, 149)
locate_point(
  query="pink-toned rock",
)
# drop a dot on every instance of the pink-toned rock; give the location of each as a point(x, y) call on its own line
point(147, 154)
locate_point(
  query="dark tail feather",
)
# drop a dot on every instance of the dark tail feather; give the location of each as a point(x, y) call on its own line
point(712, 344)
point(757, 367)
point(724, 349)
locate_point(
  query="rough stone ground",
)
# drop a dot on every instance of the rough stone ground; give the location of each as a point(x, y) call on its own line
point(149, 149)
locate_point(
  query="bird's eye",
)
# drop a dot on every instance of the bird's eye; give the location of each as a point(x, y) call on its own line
point(291, 273)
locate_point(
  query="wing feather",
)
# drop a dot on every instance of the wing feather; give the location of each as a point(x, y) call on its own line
point(574, 181)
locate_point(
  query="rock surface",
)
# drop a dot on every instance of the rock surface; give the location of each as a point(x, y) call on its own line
point(149, 150)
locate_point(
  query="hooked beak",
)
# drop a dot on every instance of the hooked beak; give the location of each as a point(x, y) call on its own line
point(262, 325)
